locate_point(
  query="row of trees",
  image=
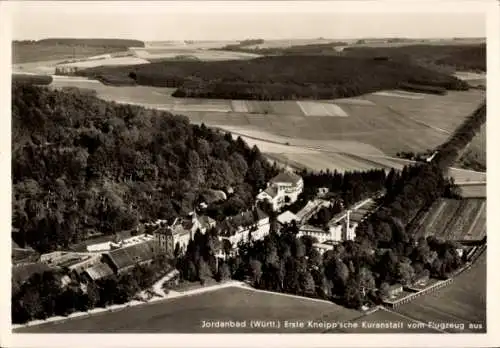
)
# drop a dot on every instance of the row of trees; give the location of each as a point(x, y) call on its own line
point(281, 77)
point(43, 295)
point(449, 151)
point(81, 165)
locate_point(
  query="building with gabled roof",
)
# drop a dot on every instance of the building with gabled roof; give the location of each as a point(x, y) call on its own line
point(123, 259)
point(98, 271)
point(180, 232)
point(283, 189)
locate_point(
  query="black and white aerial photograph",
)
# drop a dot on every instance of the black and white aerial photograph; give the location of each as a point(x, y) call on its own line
point(236, 168)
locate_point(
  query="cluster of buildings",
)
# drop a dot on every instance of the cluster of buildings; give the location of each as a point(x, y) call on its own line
point(282, 190)
point(120, 254)
point(340, 228)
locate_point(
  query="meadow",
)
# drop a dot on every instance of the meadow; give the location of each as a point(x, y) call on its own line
point(463, 301)
point(185, 314)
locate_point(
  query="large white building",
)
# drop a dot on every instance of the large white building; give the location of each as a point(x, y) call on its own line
point(283, 189)
point(253, 224)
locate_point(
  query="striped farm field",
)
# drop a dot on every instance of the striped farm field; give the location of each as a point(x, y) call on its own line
point(442, 112)
point(452, 219)
point(321, 109)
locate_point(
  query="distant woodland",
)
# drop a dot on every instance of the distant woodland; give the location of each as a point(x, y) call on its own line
point(282, 77)
point(82, 166)
point(457, 57)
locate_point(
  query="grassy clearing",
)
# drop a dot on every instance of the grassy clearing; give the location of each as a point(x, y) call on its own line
point(462, 301)
point(185, 314)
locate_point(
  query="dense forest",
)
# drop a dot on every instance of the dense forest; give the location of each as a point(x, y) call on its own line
point(41, 80)
point(457, 56)
point(281, 77)
point(82, 166)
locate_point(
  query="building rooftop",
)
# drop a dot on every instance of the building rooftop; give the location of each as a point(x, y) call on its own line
point(271, 191)
point(99, 271)
point(234, 223)
point(311, 228)
point(131, 255)
point(286, 177)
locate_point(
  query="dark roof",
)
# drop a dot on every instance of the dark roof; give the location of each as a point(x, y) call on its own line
point(271, 191)
point(286, 176)
point(99, 271)
point(260, 214)
point(129, 256)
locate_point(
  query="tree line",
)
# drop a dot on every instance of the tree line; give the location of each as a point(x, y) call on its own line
point(82, 166)
point(449, 151)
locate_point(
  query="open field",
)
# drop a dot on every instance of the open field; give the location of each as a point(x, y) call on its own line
point(451, 219)
point(463, 301)
point(443, 113)
point(464, 176)
point(185, 314)
point(473, 190)
point(379, 125)
point(158, 53)
point(46, 52)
